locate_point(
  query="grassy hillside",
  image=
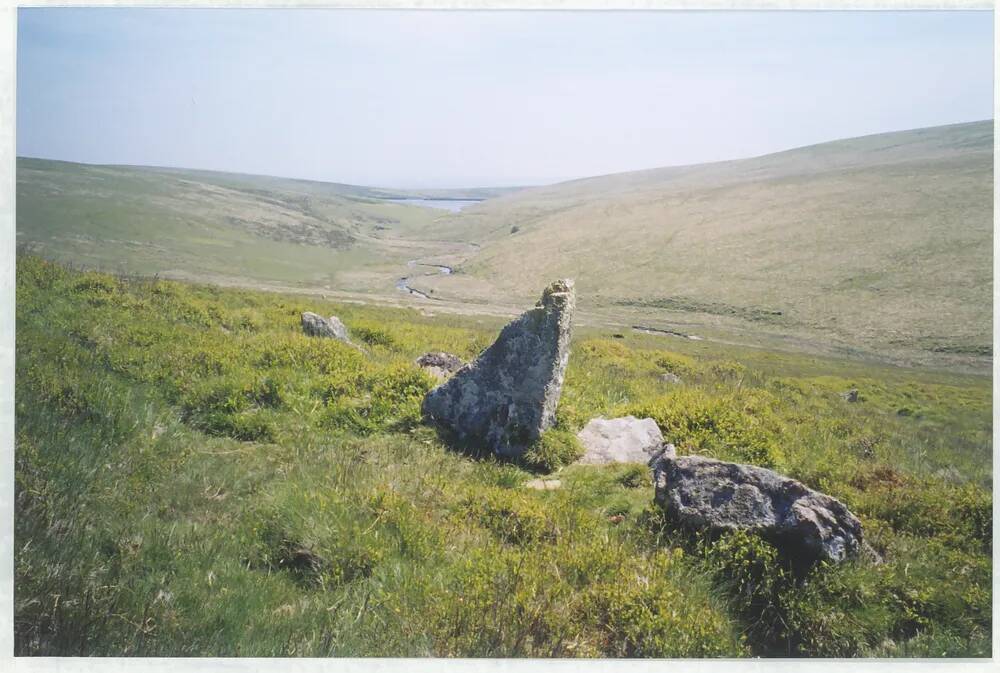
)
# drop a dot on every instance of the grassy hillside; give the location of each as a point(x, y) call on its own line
point(221, 226)
point(196, 477)
point(877, 247)
point(883, 242)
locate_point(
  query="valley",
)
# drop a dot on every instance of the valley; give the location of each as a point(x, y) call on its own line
point(876, 247)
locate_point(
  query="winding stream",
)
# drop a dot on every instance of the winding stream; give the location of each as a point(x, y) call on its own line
point(402, 283)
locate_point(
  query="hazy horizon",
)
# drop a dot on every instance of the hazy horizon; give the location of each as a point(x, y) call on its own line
point(433, 99)
point(461, 186)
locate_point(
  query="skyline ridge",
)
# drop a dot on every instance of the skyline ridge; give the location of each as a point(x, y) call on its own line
point(523, 184)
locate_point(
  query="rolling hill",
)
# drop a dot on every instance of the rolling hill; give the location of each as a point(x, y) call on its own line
point(883, 242)
point(879, 246)
point(221, 226)
point(192, 464)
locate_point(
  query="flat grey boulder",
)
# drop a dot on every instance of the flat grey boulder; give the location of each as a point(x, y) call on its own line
point(620, 440)
point(440, 365)
point(507, 396)
point(318, 326)
point(702, 493)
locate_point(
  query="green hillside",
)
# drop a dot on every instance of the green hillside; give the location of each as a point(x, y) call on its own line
point(196, 477)
point(877, 247)
point(220, 226)
point(881, 243)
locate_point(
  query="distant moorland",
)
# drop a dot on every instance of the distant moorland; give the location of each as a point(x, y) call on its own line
point(199, 472)
point(875, 247)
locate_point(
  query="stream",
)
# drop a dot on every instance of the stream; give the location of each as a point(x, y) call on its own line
point(669, 332)
point(402, 285)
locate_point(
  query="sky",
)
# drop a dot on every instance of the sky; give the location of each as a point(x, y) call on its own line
point(456, 99)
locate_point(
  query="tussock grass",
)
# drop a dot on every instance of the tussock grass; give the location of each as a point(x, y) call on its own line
point(196, 477)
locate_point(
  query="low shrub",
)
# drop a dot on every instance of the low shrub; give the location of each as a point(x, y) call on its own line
point(230, 406)
point(962, 513)
point(95, 284)
point(386, 399)
point(373, 336)
point(511, 517)
point(675, 363)
point(503, 602)
point(145, 528)
point(646, 611)
point(246, 426)
point(736, 426)
point(636, 476)
point(554, 449)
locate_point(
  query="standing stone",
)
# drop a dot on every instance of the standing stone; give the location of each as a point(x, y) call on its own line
point(507, 397)
point(620, 440)
point(702, 493)
point(316, 325)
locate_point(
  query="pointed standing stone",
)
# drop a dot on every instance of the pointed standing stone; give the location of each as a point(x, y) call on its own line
point(507, 397)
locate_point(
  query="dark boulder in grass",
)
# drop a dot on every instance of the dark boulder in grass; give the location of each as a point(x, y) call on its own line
point(507, 397)
point(318, 326)
point(851, 395)
point(705, 494)
point(440, 365)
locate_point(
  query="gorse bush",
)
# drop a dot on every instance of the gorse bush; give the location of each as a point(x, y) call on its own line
point(963, 514)
point(672, 363)
point(611, 604)
point(194, 476)
point(232, 394)
point(844, 610)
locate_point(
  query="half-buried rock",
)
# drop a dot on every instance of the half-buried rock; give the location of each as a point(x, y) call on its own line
point(507, 397)
point(318, 326)
point(440, 365)
point(701, 493)
point(621, 440)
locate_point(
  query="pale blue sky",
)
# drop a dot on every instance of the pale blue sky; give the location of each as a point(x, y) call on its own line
point(421, 99)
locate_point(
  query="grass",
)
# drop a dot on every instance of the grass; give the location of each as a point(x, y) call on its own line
point(877, 246)
point(244, 228)
point(196, 477)
point(881, 243)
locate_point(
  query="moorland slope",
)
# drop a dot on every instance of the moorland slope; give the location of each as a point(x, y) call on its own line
point(882, 242)
point(197, 477)
point(877, 247)
point(224, 227)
